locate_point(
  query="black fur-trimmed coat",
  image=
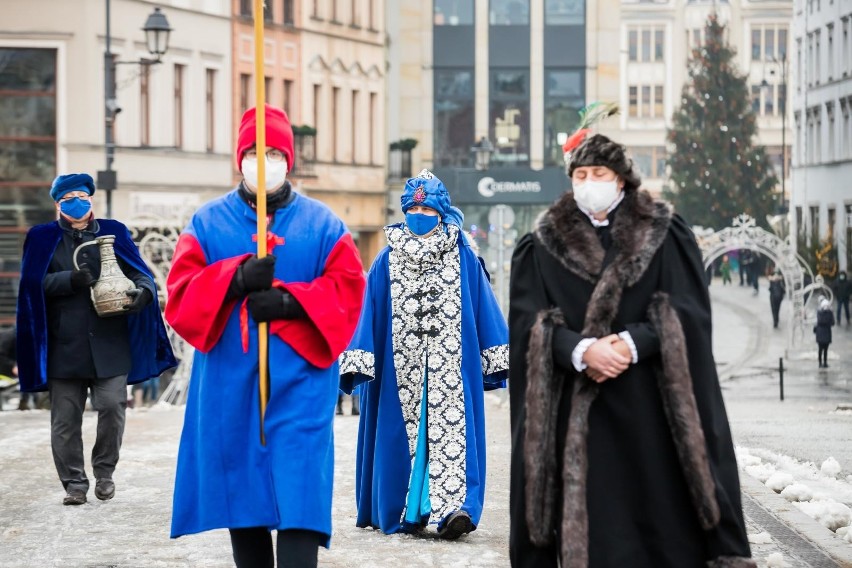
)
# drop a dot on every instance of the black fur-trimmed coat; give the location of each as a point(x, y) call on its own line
point(638, 471)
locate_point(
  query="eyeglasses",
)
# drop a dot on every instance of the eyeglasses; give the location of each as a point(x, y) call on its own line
point(272, 155)
point(69, 197)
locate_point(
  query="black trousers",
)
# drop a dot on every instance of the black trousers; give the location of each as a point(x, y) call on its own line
point(67, 403)
point(775, 304)
point(296, 548)
point(822, 354)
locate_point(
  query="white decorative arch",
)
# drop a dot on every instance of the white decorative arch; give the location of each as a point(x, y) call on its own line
point(745, 234)
point(156, 239)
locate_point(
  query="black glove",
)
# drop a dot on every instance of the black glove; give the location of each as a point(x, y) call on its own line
point(274, 304)
point(252, 275)
point(141, 298)
point(81, 279)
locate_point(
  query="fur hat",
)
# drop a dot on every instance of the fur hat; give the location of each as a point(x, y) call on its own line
point(71, 182)
point(279, 133)
point(598, 150)
point(427, 190)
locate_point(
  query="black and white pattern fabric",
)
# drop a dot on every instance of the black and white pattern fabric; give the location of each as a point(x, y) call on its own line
point(425, 288)
point(495, 359)
point(358, 361)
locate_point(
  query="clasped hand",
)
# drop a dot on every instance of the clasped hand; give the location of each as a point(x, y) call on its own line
point(607, 358)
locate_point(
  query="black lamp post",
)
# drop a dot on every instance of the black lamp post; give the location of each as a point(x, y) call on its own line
point(482, 152)
point(782, 104)
point(157, 31)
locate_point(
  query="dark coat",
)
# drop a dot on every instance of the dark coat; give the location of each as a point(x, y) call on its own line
point(842, 289)
point(777, 288)
point(822, 329)
point(81, 344)
point(643, 464)
point(8, 354)
point(59, 335)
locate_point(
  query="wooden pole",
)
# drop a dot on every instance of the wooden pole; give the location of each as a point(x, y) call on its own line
point(260, 145)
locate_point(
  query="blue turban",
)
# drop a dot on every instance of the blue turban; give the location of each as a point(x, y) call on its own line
point(71, 182)
point(428, 191)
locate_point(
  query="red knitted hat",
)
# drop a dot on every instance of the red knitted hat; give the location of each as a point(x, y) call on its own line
point(279, 133)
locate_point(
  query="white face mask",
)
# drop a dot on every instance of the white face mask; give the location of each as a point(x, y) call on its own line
point(596, 196)
point(276, 173)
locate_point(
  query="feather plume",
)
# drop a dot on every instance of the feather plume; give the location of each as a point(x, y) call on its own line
point(590, 115)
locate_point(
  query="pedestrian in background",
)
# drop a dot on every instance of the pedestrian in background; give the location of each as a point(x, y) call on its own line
point(430, 341)
point(725, 270)
point(822, 330)
point(66, 348)
point(621, 449)
point(777, 290)
point(309, 290)
point(842, 291)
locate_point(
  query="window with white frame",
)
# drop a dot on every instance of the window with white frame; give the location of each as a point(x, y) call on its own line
point(797, 118)
point(845, 53)
point(768, 42)
point(645, 101)
point(845, 130)
point(810, 58)
point(646, 43)
point(829, 112)
point(830, 47)
point(650, 161)
point(817, 75)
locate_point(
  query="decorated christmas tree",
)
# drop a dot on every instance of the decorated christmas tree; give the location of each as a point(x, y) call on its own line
point(716, 170)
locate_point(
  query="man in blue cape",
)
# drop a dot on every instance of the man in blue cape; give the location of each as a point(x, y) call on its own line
point(66, 348)
point(430, 341)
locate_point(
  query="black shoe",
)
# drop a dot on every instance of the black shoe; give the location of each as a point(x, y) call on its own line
point(74, 497)
point(104, 489)
point(456, 525)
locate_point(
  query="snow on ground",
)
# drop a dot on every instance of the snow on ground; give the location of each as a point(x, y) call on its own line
point(819, 491)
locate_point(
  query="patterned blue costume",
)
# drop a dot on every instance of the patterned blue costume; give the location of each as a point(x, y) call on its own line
point(431, 339)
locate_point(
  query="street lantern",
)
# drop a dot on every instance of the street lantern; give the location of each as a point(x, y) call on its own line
point(482, 152)
point(157, 32)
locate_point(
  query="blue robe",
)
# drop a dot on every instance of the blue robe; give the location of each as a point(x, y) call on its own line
point(225, 477)
point(384, 464)
point(150, 348)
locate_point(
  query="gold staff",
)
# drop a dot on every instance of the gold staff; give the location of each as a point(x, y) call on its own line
point(260, 145)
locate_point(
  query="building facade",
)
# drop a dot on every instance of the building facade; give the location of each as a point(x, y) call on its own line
point(342, 89)
point(821, 202)
point(511, 72)
point(172, 135)
point(656, 39)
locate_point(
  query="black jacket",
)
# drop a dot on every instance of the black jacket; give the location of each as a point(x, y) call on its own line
point(822, 329)
point(81, 344)
point(842, 289)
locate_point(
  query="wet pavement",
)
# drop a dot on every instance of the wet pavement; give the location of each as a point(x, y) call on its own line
point(132, 530)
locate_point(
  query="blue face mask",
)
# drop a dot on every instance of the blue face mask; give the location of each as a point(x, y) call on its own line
point(75, 207)
point(421, 224)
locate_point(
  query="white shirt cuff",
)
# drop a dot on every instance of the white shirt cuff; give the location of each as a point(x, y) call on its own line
point(625, 335)
point(579, 351)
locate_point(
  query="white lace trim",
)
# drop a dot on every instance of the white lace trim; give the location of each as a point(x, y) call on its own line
point(425, 288)
point(495, 359)
point(358, 361)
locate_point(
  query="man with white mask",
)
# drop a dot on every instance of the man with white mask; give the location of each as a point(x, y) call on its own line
point(616, 408)
point(309, 290)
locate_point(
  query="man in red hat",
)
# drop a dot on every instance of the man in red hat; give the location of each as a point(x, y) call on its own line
point(310, 290)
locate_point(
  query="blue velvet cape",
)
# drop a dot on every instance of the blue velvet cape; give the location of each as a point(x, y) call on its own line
point(149, 344)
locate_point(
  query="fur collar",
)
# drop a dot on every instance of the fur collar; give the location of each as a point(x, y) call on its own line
point(639, 229)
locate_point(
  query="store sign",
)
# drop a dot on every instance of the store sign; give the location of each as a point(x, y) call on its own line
point(504, 184)
point(489, 187)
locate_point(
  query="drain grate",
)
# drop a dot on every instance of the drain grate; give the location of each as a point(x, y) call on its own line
point(791, 541)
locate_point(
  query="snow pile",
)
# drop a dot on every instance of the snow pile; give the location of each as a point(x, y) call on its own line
point(760, 538)
point(776, 560)
point(826, 497)
point(779, 481)
point(830, 467)
point(797, 492)
point(831, 514)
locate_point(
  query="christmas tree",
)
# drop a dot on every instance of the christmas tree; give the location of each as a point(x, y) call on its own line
point(716, 170)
